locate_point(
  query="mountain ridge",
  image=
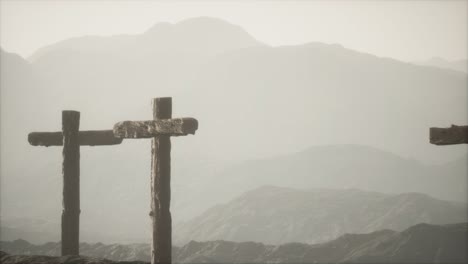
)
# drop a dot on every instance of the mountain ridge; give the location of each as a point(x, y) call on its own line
point(421, 243)
point(163, 36)
point(278, 215)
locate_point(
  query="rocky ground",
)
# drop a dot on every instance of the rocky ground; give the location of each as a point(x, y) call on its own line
point(29, 259)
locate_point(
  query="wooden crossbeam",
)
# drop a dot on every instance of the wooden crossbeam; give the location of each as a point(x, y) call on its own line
point(449, 136)
point(153, 128)
point(85, 138)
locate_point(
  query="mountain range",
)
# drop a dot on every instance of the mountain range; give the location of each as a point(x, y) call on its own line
point(254, 102)
point(343, 167)
point(422, 243)
point(275, 215)
point(278, 215)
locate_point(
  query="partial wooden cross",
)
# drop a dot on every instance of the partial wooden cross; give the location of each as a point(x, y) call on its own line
point(71, 139)
point(159, 129)
point(449, 136)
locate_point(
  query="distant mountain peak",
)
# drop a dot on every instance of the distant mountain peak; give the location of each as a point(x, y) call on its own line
point(201, 34)
point(197, 23)
point(317, 44)
point(159, 27)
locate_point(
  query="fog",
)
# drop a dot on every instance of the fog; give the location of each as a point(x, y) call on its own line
point(306, 115)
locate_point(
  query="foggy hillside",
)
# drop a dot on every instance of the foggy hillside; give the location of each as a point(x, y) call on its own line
point(253, 102)
point(345, 166)
point(276, 215)
point(457, 65)
point(422, 243)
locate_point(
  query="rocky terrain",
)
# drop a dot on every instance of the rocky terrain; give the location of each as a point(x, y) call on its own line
point(422, 243)
point(9, 259)
point(129, 252)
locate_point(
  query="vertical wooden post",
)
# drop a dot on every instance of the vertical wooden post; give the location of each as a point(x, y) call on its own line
point(71, 183)
point(160, 187)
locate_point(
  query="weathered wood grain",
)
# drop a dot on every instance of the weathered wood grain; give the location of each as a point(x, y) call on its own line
point(86, 138)
point(153, 128)
point(161, 245)
point(71, 183)
point(449, 136)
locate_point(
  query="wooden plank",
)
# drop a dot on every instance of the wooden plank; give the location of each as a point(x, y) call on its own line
point(86, 138)
point(71, 183)
point(153, 128)
point(46, 139)
point(161, 245)
point(449, 136)
point(98, 138)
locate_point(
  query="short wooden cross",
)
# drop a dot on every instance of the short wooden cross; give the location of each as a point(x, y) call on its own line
point(159, 129)
point(71, 139)
point(449, 136)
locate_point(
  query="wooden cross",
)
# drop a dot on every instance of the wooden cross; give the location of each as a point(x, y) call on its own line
point(71, 139)
point(159, 129)
point(449, 136)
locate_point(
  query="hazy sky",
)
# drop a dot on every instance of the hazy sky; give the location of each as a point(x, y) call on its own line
point(406, 30)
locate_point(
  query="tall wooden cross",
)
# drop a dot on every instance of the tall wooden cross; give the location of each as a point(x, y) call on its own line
point(71, 139)
point(448, 136)
point(159, 129)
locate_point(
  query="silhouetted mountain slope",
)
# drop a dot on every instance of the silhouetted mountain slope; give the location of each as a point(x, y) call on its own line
point(345, 166)
point(16, 82)
point(458, 65)
point(13, 63)
point(21, 95)
point(275, 215)
point(202, 35)
point(325, 93)
point(422, 243)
